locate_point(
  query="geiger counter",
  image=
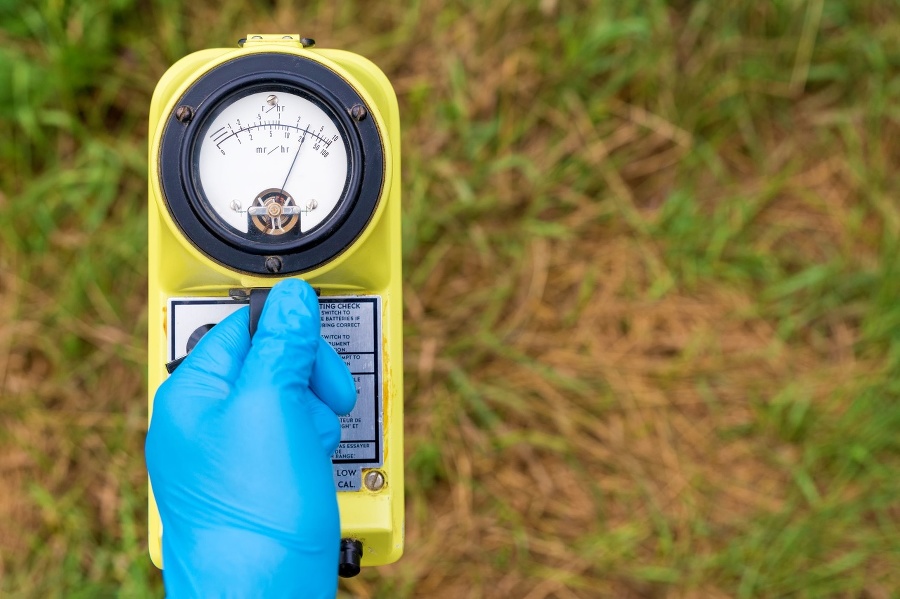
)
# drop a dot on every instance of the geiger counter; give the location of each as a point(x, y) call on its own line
point(280, 160)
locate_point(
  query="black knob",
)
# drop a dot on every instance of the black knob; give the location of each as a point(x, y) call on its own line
point(351, 556)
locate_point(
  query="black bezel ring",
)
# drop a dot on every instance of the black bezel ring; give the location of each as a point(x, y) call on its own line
point(236, 78)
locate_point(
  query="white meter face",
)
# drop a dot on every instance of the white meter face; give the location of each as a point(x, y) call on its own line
point(271, 165)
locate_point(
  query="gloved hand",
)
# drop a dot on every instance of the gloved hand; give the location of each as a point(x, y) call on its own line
point(239, 455)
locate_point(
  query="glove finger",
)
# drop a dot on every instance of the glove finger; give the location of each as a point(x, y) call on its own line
point(220, 353)
point(204, 378)
point(331, 380)
point(324, 421)
point(284, 347)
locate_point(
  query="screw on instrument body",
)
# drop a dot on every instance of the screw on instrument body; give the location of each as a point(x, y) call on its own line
point(273, 264)
point(374, 480)
point(184, 114)
point(358, 112)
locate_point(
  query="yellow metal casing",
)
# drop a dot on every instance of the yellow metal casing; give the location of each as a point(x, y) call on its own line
point(371, 265)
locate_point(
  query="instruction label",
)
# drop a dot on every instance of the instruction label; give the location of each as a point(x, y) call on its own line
point(352, 326)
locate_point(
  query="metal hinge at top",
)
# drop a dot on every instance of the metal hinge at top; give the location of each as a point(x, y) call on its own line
point(292, 39)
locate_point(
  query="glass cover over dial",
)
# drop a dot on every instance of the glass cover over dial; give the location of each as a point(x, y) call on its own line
point(271, 165)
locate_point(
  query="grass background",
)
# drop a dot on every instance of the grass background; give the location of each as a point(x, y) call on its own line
point(652, 281)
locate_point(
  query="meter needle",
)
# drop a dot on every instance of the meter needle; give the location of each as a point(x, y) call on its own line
point(294, 161)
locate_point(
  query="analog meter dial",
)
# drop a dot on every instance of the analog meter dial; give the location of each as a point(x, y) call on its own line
point(272, 164)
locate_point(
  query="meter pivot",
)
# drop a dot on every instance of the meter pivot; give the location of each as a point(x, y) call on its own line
point(274, 212)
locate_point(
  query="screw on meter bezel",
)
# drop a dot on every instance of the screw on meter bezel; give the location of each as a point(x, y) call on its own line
point(229, 82)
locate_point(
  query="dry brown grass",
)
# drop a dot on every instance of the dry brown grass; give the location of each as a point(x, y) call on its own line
point(613, 413)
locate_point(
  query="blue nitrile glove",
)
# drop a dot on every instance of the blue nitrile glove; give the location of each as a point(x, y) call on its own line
point(239, 452)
